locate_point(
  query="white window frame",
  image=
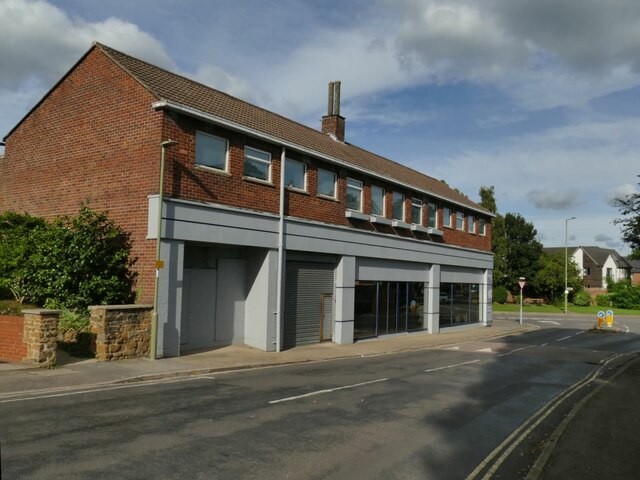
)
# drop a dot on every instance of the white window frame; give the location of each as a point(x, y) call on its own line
point(335, 184)
point(471, 224)
point(256, 159)
point(393, 202)
point(435, 209)
point(226, 152)
point(357, 185)
point(304, 175)
point(446, 219)
point(460, 218)
point(416, 202)
point(384, 206)
point(482, 227)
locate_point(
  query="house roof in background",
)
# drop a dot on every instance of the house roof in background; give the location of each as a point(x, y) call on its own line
point(169, 86)
point(598, 254)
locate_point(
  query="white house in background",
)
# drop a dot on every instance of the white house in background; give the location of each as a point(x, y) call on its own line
point(596, 264)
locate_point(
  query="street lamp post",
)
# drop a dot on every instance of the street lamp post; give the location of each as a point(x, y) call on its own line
point(566, 265)
point(154, 321)
point(521, 282)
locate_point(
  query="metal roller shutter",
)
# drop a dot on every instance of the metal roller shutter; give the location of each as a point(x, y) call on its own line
point(307, 286)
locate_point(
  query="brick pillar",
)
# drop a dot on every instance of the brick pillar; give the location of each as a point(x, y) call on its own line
point(40, 334)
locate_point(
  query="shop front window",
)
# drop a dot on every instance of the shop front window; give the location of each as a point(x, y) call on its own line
point(459, 304)
point(388, 307)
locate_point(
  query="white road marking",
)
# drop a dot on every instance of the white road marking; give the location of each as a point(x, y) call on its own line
point(451, 366)
point(564, 338)
point(627, 328)
point(579, 333)
point(328, 390)
point(549, 321)
point(103, 389)
point(456, 347)
point(516, 350)
point(485, 350)
point(543, 344)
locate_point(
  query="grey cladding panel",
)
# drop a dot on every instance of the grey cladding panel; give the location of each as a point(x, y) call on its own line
point(305, 285)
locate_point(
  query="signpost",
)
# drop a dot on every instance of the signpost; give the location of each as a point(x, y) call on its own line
point(600, 318)
point(522, 283)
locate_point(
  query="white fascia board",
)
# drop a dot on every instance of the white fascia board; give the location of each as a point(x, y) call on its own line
point(192, 112)
point(419, 228)
point(435, 231)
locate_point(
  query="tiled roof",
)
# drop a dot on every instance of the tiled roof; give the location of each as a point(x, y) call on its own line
point(171, 87)
point(598, 254)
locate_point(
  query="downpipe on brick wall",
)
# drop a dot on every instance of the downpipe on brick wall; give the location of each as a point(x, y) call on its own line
point(153, 346)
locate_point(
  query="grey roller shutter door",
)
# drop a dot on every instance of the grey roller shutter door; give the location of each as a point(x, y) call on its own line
point(307, 286)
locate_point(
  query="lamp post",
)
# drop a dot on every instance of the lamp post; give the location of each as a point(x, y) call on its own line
point(154, 321)
point(521, 282)
point(566, 264)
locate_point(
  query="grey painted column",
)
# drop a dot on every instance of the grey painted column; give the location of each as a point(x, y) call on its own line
point(433, 300)
point(260, 304)
point(170, 299)
point(345, 300)
point(487, 297)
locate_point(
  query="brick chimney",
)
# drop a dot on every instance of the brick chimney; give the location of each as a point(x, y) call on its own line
point(332, 122)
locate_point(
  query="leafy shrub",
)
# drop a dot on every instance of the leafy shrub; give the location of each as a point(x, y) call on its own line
point(16, 247)
point(603, 300)
point(80, 261)
point(628, 297)
point(500, 294)
point(582, 299)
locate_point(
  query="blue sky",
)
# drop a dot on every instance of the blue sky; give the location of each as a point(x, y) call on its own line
point(539, 98)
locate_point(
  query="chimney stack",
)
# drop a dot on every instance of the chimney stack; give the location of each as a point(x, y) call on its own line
point(333, 122)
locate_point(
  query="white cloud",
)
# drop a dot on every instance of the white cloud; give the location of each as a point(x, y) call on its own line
point(41, 41)
point(601, 237)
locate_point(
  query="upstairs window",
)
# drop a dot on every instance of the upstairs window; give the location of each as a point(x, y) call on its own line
point(460, 221)
point(257, 164)
point(211, 151)
point(471, 224)
point(482, 226)
point(416, 211)
point(354, 194)
point(295, 174)
point(433, 215)
point(377, 200)
point(446, 217)
point(398, 206)
point(326, 183)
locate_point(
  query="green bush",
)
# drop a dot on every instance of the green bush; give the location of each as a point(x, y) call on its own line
point(628, 297)
point(80, 261)
point(603, 300)
point(16, 247)
point(582, 299)
point(500, 294)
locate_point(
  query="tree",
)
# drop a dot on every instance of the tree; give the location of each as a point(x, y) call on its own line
point(519, 251)
point(549, 280)
point(629, 207)
point(487, 198)
point(16, 247)
point(80, 261)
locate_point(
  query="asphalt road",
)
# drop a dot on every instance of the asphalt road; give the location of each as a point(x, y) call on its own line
point(465, 411)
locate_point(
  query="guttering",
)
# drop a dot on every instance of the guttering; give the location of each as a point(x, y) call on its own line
point(192, 112)
point(280, 283)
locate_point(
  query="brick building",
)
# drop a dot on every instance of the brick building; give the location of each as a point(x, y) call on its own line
point(345, 245)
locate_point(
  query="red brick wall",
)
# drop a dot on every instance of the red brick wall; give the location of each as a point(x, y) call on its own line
point(188, 181)
point(95, 138)
point(12, 347)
